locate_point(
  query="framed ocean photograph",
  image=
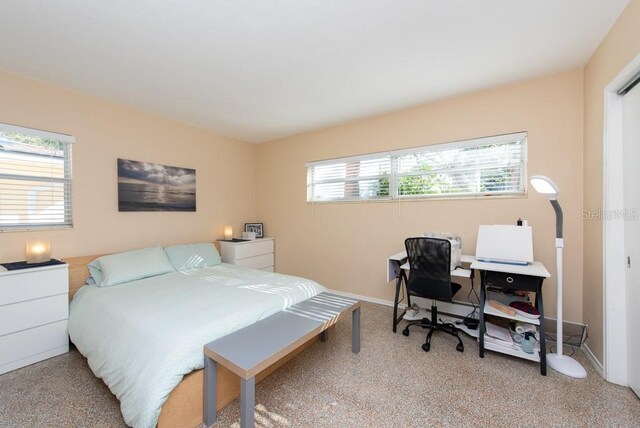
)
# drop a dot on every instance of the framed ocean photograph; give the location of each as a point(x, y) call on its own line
point(144, 186)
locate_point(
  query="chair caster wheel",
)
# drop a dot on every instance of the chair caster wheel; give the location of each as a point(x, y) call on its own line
point(460, 347)
point(405, 332)
point(426, 347)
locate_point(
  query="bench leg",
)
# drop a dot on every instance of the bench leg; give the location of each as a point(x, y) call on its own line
point(324, 336)
point(355, 331)
point(247, 402)
point(210, 390)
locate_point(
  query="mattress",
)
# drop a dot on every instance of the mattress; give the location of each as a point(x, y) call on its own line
point(143, 336)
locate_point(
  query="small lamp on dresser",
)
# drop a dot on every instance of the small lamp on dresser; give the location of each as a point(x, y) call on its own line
point(38, 251)
point(228, 233)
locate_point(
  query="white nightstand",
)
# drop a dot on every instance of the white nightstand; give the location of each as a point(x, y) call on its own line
point(34, 309)
point(256, 254)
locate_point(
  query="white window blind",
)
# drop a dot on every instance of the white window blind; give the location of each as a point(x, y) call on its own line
point(35, 179)
point(479, 167)
point(349, 179)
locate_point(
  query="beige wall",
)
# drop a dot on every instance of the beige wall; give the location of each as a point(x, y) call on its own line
point(344, 245)
point(105, 131)
point(620, 46)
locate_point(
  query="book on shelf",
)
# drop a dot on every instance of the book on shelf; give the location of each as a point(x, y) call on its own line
point(507, 344)
point(489, 339)
point(506, 296)
point(499, 333)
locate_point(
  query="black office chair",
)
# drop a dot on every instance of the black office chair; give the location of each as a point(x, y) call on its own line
point(430, 277)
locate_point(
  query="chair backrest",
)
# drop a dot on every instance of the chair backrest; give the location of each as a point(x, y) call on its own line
point(430, 262)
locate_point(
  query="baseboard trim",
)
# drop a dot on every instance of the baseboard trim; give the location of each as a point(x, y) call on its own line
point(365, 298)
point(459, 309)
point(594, 361)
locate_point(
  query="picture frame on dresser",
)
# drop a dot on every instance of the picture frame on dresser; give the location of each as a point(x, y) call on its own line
point(258, 228)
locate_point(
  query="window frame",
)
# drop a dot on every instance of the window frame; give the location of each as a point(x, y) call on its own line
point(65, 181)
point(395, 175)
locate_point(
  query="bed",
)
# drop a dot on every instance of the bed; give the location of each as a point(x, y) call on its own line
point(144, 338)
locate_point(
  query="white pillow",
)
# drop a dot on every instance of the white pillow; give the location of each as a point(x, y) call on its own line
point(130, 266)
point(193, 256)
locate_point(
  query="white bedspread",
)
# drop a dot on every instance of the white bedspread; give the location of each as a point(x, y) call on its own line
point(142, 337)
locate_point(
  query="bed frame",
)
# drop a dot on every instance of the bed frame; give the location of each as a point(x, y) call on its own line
point(184, 406)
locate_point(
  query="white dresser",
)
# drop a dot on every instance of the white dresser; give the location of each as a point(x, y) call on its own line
point(34, 309)
point(256, 254)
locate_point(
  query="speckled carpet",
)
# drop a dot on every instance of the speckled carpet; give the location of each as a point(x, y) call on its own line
point(391, 383)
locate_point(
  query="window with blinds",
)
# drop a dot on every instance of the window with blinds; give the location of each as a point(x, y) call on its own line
point(35, 179)
point(472, 168)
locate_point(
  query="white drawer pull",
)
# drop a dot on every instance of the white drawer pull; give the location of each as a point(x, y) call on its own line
point(509, 280)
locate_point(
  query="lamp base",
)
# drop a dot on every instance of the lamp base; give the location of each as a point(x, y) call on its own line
point(566, 365)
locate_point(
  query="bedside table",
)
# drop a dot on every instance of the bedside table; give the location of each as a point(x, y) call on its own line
point(34, 309)
point(256, 254)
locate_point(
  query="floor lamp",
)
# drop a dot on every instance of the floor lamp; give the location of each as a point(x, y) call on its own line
point(558, 362)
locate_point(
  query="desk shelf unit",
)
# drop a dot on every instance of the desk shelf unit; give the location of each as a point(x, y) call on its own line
point(507, 277)
point(527, 278)
point(488, 345)
point(512, 351)
point(489, 310)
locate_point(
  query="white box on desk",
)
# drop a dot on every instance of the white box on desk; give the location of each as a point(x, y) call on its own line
point(505, 244)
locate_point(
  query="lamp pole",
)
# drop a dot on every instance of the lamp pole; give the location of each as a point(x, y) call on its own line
point(561, 363)
point(559, 285)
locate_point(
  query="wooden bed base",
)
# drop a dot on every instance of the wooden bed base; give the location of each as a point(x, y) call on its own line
point(184, 406)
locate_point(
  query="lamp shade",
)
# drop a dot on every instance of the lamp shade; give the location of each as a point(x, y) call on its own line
point(228, 232)
point(38, 251)
point(544, 185)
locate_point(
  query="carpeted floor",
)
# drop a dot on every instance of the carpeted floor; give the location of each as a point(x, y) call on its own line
point(391, 383)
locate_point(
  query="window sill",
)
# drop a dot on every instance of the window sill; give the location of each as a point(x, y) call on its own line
point(419, 199)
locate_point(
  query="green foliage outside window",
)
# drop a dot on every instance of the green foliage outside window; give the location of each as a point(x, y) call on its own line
point(32, 140)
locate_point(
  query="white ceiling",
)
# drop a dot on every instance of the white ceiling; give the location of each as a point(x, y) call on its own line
point(263, 69)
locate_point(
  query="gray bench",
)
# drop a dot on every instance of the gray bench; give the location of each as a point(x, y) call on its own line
point(252, 349)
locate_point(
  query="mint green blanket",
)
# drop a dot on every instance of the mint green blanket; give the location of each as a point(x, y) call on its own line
point(142, 337)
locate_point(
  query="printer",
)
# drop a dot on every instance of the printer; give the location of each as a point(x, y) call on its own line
point(456, 246)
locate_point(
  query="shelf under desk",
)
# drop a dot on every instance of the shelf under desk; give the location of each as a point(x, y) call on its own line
point(489, 310)
point(512, 277)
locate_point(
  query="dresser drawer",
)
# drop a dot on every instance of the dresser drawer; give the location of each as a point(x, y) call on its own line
point(252, 249)
point(33, 313)
point(511, 281)
point(259, 262)
point(32, 342)
point(27, 284)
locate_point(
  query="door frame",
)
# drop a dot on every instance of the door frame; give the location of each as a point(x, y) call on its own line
point(614, 267)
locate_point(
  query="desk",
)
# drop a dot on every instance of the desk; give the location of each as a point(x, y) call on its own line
point(398, 264)
point(399, 261)
point(513, 277)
